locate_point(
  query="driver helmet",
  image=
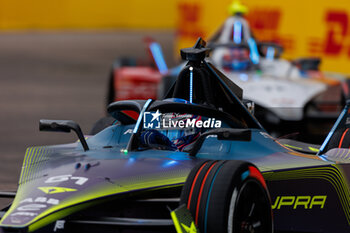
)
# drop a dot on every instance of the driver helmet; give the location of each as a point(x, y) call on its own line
point(180, 137)
point(171, 134)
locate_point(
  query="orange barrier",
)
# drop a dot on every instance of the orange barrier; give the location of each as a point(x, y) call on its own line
point(90, 14)
point(304, 27)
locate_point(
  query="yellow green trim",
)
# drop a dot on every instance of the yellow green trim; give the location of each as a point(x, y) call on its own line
point(293, 147)
point(313, 149)
point(25, 163)
point(33, 161)
point(330, 173)
point(176, 222)
point(58, 215)
point(299, 148)
point(73, 204)
point(53, 190)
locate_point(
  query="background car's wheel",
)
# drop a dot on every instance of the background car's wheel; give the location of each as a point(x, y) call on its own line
point(121, 62)
point(101, 124)
point(228, 197)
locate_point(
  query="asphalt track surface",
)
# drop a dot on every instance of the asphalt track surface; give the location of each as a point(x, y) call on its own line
point(57, 75)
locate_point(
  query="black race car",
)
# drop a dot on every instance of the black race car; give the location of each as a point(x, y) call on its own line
point(197, 156)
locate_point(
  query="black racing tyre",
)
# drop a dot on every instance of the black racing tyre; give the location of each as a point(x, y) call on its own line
point(340, 139)
point(228, 197)
point(101, 124)
point(121, 62)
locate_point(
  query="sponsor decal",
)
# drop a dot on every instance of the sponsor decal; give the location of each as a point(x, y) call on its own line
point(59, 225)
point(129, 131)
point(63, 178)
point(53, 190)
point(266, 135)
point(32, 204)
point(157, 120)
point(303, 202)
point(29, 214)
point(31, 207)
point(189, 20)
point(46, 200)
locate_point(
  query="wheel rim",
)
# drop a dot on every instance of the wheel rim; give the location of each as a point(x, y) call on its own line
point(250, 209)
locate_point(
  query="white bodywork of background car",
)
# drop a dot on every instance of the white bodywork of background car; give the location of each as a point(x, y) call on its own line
point(279, 87)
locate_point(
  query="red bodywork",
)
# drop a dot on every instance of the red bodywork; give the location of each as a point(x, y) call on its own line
point(136, 83)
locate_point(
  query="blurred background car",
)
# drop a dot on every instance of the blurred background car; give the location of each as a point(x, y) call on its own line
point(291, 97)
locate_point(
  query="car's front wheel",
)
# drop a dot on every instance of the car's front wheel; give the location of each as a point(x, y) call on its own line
point(228, 197)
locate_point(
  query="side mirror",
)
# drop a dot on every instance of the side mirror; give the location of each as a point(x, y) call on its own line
point(63, 126)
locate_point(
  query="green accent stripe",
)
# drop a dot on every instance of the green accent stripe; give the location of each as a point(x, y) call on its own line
point(27, 166)
point(25, 163)
point(43, 160)
point(293, 147)
point(36, 163)
point(32, 163)
point(34, 160)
